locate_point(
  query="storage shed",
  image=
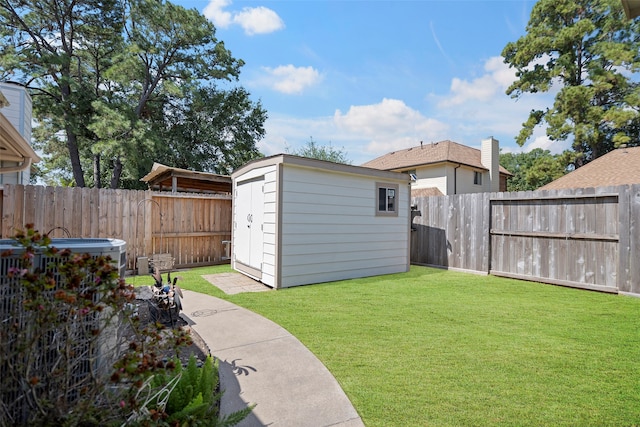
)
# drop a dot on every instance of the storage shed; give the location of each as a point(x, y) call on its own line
point(299, 221)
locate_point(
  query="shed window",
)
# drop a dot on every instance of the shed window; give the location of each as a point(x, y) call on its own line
point(387, 199)
point(477, 178)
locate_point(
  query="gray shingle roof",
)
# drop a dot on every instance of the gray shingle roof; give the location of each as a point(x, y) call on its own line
point(617, 167)
point(426, 192)
point(431, 153)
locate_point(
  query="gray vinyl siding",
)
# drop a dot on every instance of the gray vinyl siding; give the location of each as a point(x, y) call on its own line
point(19, 114)
point(269, 261)
point(320, 222)
point(19, 110)
point(329, 230)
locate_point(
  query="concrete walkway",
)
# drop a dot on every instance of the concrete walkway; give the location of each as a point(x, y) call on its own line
point(263, 364)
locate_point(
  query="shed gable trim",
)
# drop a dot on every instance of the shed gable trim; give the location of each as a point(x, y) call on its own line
point(323, 165)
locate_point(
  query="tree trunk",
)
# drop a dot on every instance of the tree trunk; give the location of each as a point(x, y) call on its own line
point(117, 172)
point(72, 138)
point(97, 182)
point(74, 154)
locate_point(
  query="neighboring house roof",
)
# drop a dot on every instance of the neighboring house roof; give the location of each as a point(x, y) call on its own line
point(426, 192)
point(176, 179)
point(14, 148)
point(432, 153)
point(617, 167)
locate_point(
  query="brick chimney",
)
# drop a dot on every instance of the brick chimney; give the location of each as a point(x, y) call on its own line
point(490, 158)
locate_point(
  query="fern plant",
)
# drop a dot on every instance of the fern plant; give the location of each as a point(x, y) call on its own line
point(194, 401)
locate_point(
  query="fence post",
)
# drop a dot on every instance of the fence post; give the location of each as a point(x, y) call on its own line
point(632, 283)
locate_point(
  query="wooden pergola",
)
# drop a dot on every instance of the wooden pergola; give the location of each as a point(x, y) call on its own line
point(166, 178)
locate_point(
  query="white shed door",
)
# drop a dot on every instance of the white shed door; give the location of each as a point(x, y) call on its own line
point(249, 218)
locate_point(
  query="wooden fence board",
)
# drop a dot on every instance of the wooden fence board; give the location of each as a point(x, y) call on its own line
point(484, 232)
point(197, 223)
point(30, 215)
point(586, 238)
point(55, 210)
point(497, 241)
point(624, 213)
point(634, 234)
point(8, 211)
point(94, 215)
point(20, 208)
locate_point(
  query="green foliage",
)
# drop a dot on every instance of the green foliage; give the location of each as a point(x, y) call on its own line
point(211, 130)
point(66, 359)
point(121, 80)
point(313, 150)
point(74, 353)
point(587, 51)
point(208, 380)
point(534, 169)
point(437, 347)
point(194, 401)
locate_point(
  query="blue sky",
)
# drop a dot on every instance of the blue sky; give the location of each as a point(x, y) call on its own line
point(371, 77)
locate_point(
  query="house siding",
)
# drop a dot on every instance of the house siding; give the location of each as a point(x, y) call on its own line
point(330, 230)
point(434, 176)
point(19, 110)
point(465, 181)
point(445, 165)
point(450, 179)
point(19, 114)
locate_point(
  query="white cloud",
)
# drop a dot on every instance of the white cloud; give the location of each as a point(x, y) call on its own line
point(284, 131)
point(253, 20)
point(500, 72)
point(258, 20)
point(544, 142)
point(215, 12)
point(290, 79)
point(367, 131)
point(495, 81)
point(363, 132)
point(389, 125)
point(479, 107)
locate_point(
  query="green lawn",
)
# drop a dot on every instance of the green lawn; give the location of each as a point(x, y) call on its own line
point(440, 348)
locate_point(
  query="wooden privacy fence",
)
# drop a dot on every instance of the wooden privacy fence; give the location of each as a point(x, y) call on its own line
point(190, 227)
point(587, 238)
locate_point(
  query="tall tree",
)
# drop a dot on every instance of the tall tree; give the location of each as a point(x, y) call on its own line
point(211, 130)
point(534, 169)
point(43, 48)
point(586, 50)
point(104, 74)
point(313, 150)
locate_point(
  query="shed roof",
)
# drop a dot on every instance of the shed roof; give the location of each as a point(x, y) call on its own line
point(428, 154)
point(319, 164)
point(617, 167)
point(164, 177)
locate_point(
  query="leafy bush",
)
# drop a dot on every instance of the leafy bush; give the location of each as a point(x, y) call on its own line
point(74, 352)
